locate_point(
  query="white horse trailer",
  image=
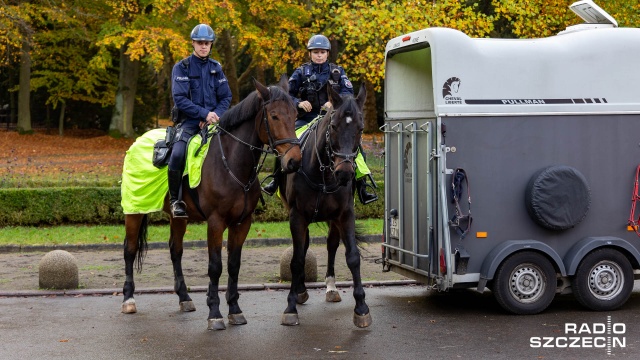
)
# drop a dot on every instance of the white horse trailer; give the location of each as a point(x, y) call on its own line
point(512, 164)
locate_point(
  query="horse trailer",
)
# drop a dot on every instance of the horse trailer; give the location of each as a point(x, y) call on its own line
point(512, 164)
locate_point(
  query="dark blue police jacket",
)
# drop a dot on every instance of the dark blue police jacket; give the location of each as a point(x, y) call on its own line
point(322, 72)
point(200, 86)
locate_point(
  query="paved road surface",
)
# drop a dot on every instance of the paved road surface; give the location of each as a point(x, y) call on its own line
point(409, 322)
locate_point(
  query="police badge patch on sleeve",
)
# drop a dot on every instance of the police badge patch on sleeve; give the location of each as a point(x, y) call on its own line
point(347, 83)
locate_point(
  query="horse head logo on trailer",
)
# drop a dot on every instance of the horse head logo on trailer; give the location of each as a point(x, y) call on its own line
point(450, 91)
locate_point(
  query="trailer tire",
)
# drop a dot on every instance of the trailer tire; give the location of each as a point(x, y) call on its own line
point(558, 197)
point(604, 280)
point(525, 283)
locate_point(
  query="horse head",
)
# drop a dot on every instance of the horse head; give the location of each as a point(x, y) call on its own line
point(278, 123)
point(344, 133)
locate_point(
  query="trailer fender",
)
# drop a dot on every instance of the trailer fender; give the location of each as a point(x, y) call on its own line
point(503, 250)
point(580, 249)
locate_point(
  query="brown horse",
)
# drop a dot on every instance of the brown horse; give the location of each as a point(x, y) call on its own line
point(322, 190)
point(226, 196)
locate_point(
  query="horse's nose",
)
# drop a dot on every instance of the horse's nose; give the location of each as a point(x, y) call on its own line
point(293, 165)
point(343, 176)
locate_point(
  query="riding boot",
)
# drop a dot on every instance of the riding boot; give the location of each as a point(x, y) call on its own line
point(364, 196)
point(272, 187)
point(176, 205)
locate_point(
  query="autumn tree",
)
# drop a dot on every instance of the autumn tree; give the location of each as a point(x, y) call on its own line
point(363, 28)
point(63, 58)
point(16, 33)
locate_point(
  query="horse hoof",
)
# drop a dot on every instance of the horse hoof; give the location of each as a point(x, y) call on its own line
point(216, 324)
point(129, 307)
point(290, 319)
point(333, 296)
point(302, 298)
point(237, 319)
point(187, 306)
point(362, 321)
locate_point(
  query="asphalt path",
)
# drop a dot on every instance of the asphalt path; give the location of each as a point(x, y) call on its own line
point(409, 322)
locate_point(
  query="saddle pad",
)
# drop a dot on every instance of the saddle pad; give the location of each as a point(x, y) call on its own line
point(144, 186)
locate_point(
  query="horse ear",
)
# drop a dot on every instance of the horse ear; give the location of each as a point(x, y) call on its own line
point(284, 82)
point(362, 95)
point(336, 100)
point(263, 92)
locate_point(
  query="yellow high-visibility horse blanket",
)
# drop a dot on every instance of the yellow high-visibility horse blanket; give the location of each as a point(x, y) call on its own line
point(145, 186)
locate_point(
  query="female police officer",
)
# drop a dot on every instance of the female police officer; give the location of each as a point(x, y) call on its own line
point(308, 89)
point(201, 94)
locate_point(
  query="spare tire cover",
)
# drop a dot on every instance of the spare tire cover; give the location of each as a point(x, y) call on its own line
point(558, 197)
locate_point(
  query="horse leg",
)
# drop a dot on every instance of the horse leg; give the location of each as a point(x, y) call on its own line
point(214, 242)
point(176, 237)
point(297, 294)
point(134, 246)
point(301, 288)
point(333, 241)
point(361, 315)
point(237, 235)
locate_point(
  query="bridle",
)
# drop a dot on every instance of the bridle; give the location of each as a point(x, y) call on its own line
point(330, 154)
point(346, 157)
point(271, 149)
point(324, 188)
point(272, 144)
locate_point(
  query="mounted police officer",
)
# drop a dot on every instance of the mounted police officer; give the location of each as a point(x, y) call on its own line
point(308, 89)
point(201, 95)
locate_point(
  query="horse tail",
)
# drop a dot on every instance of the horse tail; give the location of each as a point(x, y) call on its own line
point(359, 235)
point(143, 246)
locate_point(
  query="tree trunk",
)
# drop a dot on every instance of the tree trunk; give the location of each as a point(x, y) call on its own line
point(24, 93)
point(122, 118)
point(61, 119)
point(225, 48)
point(370, 112)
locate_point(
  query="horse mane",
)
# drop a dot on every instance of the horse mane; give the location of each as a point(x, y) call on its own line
point(247, 109)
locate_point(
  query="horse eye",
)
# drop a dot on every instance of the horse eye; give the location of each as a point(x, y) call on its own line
point(274, 117)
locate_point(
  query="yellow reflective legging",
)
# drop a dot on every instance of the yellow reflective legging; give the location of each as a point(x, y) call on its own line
point(361, 166)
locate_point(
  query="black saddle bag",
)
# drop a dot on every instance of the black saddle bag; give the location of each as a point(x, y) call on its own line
point(162, 148)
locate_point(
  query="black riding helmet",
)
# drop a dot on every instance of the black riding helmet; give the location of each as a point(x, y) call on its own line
point(319, 42)
point(203, 32)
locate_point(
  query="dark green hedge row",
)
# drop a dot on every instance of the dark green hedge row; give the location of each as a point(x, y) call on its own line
point(96, 205)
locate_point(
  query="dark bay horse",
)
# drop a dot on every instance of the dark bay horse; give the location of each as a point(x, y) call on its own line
point(226, 196)
point(322, 190)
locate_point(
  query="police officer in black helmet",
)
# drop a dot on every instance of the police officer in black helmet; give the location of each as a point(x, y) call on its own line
point(308, 89)
point(307, 84)
point(201, 94)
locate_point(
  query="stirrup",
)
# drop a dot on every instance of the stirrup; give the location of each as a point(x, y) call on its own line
point(364, 196)
point(373, 182)
point(270, 188)
point(370, 198)
point(178, 209)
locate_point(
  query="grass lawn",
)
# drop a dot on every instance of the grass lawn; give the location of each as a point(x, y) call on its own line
point(76, 235)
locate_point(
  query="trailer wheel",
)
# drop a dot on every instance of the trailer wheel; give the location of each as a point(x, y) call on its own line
point(525, 283)
point(603, 280)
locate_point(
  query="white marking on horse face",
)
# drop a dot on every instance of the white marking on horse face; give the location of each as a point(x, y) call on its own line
point(331, 284)
point(349, 119)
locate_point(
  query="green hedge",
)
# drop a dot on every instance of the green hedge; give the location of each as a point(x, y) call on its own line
point(98, 205)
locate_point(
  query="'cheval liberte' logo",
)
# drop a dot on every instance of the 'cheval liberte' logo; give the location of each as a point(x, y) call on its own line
point(606, 336)
point(450, 91)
